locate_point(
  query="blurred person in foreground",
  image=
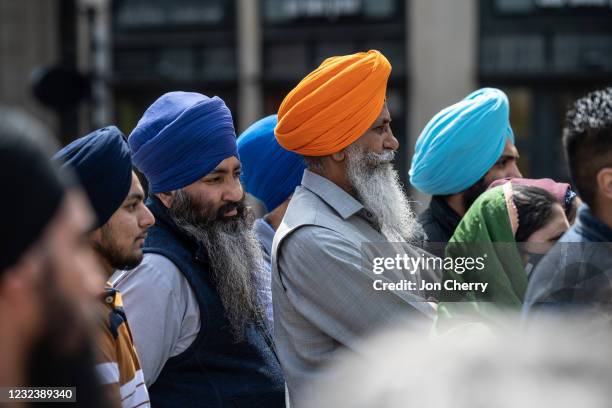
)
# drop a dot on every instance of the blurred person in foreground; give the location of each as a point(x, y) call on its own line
point(459, 153)
point(198, 322)
point(552, 365)
point(350, 195)
point(48, 274)
point(577, 272)
point(270, 174)
point(102, 162)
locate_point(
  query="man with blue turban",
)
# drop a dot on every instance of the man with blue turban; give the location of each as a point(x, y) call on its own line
point(102, 162)
point(463, 149)
point(269, 173)
point(199, 323)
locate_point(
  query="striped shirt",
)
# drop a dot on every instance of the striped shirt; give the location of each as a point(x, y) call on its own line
point(118, 366)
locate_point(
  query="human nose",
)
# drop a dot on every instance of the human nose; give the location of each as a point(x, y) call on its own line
point(391, 141)
point(234, 192)
point(513, 171)
point(147, 219)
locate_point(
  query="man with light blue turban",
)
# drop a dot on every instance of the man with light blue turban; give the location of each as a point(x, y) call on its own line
point(463, 149)
point(199, 321)
point(269, 173)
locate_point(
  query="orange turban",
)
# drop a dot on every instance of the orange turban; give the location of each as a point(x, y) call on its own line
point(334, 105)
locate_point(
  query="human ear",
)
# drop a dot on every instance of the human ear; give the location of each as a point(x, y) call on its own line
point(604, 182)
point(166, 198)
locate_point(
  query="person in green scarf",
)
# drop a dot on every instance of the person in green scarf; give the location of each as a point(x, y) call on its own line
point(505, 232)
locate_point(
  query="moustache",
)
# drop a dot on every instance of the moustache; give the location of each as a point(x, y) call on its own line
point(377, 159)
point(239, 206)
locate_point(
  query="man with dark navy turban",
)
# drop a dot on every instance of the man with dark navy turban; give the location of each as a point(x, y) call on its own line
point(199, 324)
point(326, 296)
point(270, 174)
point(102, 162)
point(461, 151)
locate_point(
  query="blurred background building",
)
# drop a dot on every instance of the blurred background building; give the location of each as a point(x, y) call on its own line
point(105, 61)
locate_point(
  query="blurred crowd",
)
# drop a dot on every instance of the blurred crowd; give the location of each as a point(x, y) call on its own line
point(134, 269)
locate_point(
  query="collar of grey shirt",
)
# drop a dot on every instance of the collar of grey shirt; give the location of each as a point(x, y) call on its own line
point(341, 201)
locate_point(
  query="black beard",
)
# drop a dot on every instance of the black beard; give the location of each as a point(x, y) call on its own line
point(233, 252)
point(115, 259)
point(472, 193)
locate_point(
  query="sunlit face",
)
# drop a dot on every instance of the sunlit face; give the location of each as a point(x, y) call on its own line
point(218, 191)
point(379, 137)
point(506, 165)
point(120, 240)
point(542, 240)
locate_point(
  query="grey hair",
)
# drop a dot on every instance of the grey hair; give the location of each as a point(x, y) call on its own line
point(314, 163)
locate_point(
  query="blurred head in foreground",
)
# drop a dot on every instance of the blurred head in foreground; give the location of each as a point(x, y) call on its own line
point(48, 275)
point(554, 364)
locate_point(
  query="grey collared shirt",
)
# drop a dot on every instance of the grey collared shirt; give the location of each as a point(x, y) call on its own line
point(265, 235)
point(324, 299)
point(164, 310)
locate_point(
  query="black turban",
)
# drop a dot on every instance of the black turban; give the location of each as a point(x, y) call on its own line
point(103, 165)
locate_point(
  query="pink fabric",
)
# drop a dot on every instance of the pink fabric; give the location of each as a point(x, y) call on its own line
point(556, 189)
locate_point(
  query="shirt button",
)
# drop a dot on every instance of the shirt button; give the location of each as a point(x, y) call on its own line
point(369, 214)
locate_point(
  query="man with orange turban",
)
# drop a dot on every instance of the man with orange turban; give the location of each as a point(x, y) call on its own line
point(328, 287)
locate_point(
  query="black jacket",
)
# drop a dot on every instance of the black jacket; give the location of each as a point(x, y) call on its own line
point(439, 222)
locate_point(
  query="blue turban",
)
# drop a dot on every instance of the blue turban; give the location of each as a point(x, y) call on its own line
point(103, 165)
point(181, 138)
point(269, 172)
point(461, 143)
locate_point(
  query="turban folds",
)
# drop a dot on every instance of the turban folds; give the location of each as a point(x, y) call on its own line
point(269, 172)
point(102, 163)
point(181, 138)
point(461, 143)
point(334, 105)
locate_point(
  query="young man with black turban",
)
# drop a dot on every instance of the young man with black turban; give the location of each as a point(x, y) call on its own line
point(102, 162)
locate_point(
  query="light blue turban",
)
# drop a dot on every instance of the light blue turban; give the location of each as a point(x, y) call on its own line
point(461, 143)
point(269, 172)
point(181, 138)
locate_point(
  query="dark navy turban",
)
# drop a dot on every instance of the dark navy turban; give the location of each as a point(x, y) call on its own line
point(181, 138)
point(103, 165)
point(269, 172)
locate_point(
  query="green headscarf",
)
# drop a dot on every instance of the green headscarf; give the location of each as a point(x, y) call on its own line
point(488, 228)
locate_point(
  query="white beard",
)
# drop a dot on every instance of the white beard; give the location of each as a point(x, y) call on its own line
point(378, 188)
